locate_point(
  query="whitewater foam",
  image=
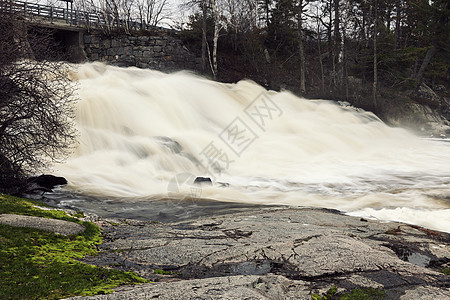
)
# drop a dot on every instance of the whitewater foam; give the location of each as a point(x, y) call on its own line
point(140, 128)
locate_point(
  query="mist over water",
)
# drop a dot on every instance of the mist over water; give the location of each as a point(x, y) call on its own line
point(145, 135)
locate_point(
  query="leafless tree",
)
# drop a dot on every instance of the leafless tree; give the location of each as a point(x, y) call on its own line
point(233, 15)
point(122, 13)
point(241, 17)
point(375, 66)
point(151, 12)
point(36, 102)
point(217, 7)
point(102, 11)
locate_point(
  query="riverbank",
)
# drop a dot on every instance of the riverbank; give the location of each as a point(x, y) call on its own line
point(274, 252)
point(277, 253)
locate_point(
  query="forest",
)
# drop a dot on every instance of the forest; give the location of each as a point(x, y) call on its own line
point(359, 51)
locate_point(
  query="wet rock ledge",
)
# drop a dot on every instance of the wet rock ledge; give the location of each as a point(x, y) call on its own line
point(276, 253)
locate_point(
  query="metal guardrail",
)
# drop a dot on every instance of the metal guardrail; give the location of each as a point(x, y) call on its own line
point(79, 18)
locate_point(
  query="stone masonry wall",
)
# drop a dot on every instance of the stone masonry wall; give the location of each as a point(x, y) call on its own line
point(161, 51)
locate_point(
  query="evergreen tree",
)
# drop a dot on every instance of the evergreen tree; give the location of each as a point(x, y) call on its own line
point(282, 27)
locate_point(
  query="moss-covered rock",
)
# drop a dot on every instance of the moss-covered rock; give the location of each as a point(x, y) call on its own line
point(37, 264)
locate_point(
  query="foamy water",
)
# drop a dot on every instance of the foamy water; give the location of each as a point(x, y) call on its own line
point(145, 135)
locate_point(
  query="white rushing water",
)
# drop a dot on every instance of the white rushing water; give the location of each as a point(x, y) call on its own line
point(142, 131)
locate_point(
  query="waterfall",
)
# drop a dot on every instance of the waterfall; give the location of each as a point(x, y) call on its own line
point(146, 135)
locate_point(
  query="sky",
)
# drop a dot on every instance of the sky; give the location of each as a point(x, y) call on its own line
point(176, 14)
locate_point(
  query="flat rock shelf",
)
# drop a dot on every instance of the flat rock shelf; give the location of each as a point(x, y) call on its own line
point(276, 253)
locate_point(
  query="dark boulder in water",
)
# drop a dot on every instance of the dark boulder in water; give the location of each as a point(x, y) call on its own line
point(201, 180)
point(172, 145)
point(46, 182)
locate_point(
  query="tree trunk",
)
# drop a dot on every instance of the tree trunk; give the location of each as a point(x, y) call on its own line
point(375, 70)
point(337, 44)
point(344, 62)
point(330, 45)
point(216, 37)
point(322, 76)
point(397, 23)
point(204, 36)
point(423, 66)
point(301, 49)
point(363, 25)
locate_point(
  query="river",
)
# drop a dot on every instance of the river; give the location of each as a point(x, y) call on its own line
point(146, 135)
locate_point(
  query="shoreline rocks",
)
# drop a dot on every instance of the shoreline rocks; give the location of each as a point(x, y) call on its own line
point(276, 252)
point(45, 183)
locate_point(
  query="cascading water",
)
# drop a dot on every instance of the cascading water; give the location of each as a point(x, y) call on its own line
point(143, 133)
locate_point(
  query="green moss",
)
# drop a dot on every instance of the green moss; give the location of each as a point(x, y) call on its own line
point(36, 264)
point(356, 294)
point(161, 272)
point(364, 294)
point(79, 215)
point(446, 271)
point(329, 294)
point(20, 206)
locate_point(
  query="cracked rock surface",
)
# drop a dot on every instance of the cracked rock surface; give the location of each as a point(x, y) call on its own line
point(276, 253)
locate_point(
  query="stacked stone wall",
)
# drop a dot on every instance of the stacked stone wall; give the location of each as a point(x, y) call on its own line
point(163, 52)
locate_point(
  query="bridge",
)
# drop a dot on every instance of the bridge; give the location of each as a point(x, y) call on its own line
point(69, 26)
point(93, 36)
point(69, 17)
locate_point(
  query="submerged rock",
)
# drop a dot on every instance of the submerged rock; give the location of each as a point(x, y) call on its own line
point(172, 145)
point(203, 180)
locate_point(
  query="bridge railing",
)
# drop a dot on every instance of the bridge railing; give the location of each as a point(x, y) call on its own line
point(77, 17)
point(43, 11)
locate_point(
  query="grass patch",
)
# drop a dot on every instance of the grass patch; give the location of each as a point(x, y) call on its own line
point(20, 206)
point(36, 264)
